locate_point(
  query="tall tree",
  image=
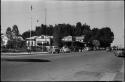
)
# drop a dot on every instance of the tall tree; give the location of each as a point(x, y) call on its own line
point(15, 34)
point(43, 29)
point(85, 29)
point(26, 34)
point(9, 33)
point(106, 36)
point(95, 33)
point(57, 35)
point(38, 31)
point(78, 29)
point(15, 30)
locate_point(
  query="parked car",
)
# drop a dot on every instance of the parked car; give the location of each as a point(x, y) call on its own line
point(54, 49)
point(65, 49)
point(88, 48)
point(120, 53)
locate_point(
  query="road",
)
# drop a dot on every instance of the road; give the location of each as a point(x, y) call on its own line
point(75, 66)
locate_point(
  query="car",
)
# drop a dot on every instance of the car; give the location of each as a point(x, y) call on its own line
point(120, 53)
point(54, 49)
point(65, 49)
point(87, 48)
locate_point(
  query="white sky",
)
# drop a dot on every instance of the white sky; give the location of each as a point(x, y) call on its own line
point(94, 13)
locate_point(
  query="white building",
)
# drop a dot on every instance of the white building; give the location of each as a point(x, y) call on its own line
point(38, 40)
point(79, 38)
point(31, 41)
point(76, 38)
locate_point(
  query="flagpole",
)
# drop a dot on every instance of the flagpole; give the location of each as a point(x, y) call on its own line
point(45, 26)
point(45, 16)
point(31, 29)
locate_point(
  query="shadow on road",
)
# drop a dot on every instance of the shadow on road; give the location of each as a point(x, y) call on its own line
point(27, 60)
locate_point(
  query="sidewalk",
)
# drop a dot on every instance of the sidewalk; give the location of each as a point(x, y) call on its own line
point(24, 53)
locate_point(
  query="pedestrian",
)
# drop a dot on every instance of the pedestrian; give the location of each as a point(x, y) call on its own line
point(28, 49)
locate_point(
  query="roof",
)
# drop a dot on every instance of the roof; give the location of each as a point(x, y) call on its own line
point(44, 36)
point(33, 37)
point(40, 37)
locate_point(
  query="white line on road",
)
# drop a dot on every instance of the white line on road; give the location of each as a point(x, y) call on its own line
point(26, 55)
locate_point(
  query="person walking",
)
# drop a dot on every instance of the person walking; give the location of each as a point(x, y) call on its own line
point(28, 49)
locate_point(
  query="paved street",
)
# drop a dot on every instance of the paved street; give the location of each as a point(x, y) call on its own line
point(75, 66)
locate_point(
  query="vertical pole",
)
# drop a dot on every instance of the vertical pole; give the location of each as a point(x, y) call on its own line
point(45, 27)
point(31, 30)
point(45, 16)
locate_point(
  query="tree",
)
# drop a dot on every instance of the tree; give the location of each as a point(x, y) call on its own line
point(106, 37)
point(15, 34)
point(49, 30)
point(95, 33)
point(78, 29)
point(15, 30)
point(9, 33)
point(85, 29)
point(57, 35)
point(43, 29)
point(26, 34)
point(38, 31)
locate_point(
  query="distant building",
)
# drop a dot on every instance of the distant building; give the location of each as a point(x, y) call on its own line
point(79, 38)
point(39, 40)
point(75, 38)
point(71, 41)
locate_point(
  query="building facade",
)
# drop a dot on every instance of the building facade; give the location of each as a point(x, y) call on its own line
point(39, 40)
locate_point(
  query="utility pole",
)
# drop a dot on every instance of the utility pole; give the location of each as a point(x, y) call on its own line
point(31, 29)
point(45, 15)
point(45, 24)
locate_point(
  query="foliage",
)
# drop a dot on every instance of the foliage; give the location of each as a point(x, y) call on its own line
point(104, 35)
point(57, 35)
point(14, 41)
point(9, 33)
point(26, 34)
point(96, 43)
point(15, 30)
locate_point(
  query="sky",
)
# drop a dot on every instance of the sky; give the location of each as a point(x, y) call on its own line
point(97, 14)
